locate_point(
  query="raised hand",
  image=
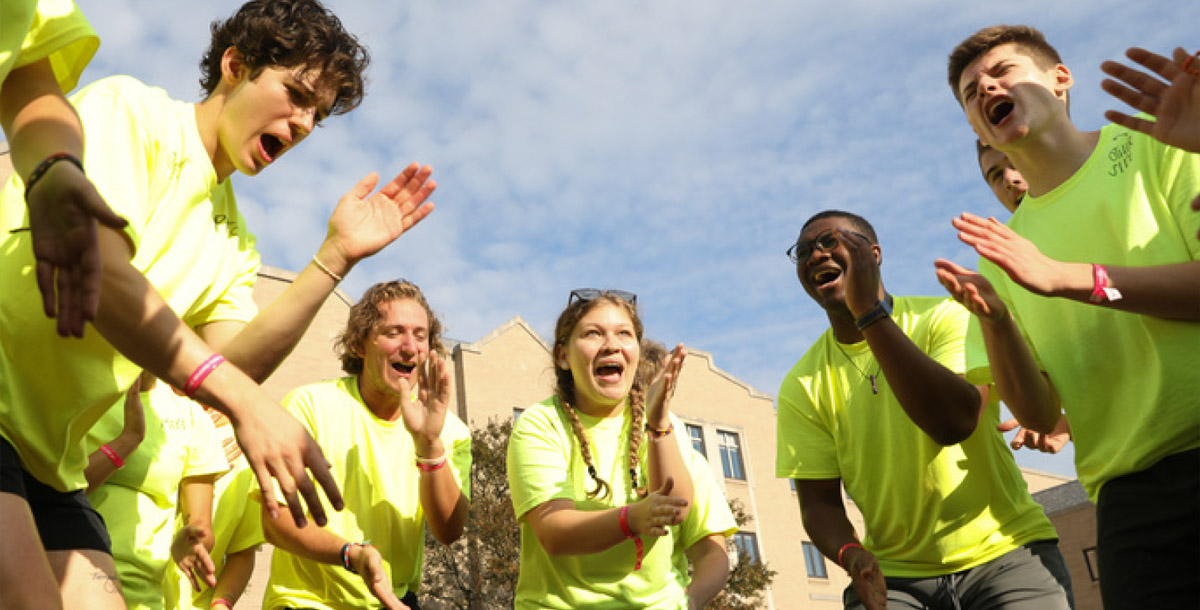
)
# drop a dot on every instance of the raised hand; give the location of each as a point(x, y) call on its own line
point(970, 289)
point(424, 410)
point(368, 563)
point(652, 515)
point(658, 399)
point(277, 446)
point(64, 209)
point(1175, 103)
point(866, 577)
point(862, 274)
point(190, 554)
point(363, 223)
point(1046, 443)
point(1016, 256)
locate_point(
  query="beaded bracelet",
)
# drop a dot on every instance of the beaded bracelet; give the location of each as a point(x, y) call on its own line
point(45, 166)
point(659, 434)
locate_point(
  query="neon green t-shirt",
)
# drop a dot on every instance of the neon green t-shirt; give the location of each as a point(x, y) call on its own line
point(710, 514)
point(33, 30)
point(373, 462)
point(1128, 382)
point(145, 156)
point(928, 510)
point(544, 463)
point(236, 525)
point(138, 502)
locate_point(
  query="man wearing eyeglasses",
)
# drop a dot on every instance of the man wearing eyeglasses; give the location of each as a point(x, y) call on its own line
point(879, 404)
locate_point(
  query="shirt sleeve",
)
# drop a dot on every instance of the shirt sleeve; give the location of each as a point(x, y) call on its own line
point(60, 33)
point(205, 453)
point(539, 459)
point(805, 446)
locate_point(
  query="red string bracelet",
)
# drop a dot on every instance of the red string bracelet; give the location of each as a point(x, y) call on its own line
point(112, 456)
point(637, 540)
point(842, 551)
point(201, 373)
point(1187, 63)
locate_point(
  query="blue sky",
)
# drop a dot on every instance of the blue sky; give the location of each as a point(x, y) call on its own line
point(671, 148)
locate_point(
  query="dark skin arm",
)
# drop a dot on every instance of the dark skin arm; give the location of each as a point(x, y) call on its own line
point(826, 522)
point(936, 399)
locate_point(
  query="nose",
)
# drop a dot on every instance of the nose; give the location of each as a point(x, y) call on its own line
point(304, 120)
point(1013, 180)
point(986, 84)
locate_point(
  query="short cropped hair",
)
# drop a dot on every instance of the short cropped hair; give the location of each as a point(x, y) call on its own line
point(289, 34)
point(859, 222)
point(1027, 38)
point(365, 318)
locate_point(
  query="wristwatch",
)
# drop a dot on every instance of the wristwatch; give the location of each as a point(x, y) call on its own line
point(881, 310)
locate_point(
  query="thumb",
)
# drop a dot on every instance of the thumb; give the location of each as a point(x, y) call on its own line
point(365, 186)
point(104, 214)
point(667, 486)
point(1008, 426)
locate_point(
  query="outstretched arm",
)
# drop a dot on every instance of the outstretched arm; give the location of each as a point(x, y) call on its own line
point(362, 224)
point(936, 399)
point(825, 520)
point(1022, 385)
point(64, 207)
point(1167, 92)
point(136, 321)
point(1165, 291)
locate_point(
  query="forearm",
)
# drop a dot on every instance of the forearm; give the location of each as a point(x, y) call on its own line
point(824, 516)
point(263, 344)
point(1163, 291)
point(36, 117)
point(100, 467)
point(239, 567)
point(936, 399)
point(446, 508)
point(710, 569)
point(313, 543)
point(195, 504)
point(1021, 384)
point(664, 460)
point(568, 531)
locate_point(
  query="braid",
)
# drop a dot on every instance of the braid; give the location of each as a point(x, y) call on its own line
point(601, 489)
point(637, 404)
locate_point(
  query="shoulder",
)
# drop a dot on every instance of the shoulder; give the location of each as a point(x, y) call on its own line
point(811, 364)
point(324, 392)
point(542, 420)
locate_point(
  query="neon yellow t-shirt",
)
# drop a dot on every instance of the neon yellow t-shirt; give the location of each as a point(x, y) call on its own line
point(32, 30)
point(145, 156)
point(1128, 382)
point(929, 510)
point(374, 464)
point(544, 464)
point(138, 501)
point(710, 514)
point(237, 526)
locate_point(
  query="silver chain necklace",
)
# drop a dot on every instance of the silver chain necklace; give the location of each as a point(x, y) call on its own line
point(874, 386)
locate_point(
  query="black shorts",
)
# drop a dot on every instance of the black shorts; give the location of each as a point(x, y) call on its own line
point(65, 521)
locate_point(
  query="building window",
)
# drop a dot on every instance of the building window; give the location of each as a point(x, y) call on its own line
point(517, 413)
point(792, 484)
point(814, 561)
point(731, 455)
point(697, 435)
point(747, 544)
point(1089, 557)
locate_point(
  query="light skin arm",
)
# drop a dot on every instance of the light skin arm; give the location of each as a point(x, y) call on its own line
point(825, 520)
point(63, 205)
point(1026, 390)
point(136, 320)
point(192, 543)
point(710, 570)
point(936, 399)
point(100, 467)
point(665, 461)
point(1165, 291)
point(446, 508)
point(239, 567)
point(323, 546)
point(1052, 442)
point(564, 530)
point(362, 224)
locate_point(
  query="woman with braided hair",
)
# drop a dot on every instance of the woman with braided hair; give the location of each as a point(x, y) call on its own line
point(596, 473)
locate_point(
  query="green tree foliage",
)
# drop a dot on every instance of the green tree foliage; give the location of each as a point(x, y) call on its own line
point(748, 580)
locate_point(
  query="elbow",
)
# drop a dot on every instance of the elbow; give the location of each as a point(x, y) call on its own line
point(952, 433)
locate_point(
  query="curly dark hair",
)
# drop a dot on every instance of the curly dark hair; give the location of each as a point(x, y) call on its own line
point(288, 34)
point(365, 318)
point(1030, 39)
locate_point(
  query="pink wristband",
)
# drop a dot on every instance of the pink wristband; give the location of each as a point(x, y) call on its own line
point(842, 551)
point(637, 540)
point(201, 373)
point(112, 456)
point(223, 601)
point(1102, 290)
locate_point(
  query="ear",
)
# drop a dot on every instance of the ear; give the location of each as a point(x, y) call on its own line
point(1063, 81)
point(560, 359)
point(878, 252)
point(233, 69)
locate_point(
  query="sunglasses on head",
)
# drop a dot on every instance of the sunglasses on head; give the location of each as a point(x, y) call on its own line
point(591, 294)
point(801, 250)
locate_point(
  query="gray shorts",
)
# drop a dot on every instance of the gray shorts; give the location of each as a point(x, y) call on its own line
point(1033, 577)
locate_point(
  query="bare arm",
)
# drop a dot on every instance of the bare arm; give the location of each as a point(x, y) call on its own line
point(710, 570)
point(136, 320)
point(665, 461)
point(193, 542)
point(564, 530)
point(826, 522)
point(234, 577)
point(100, 465)
point(1026, 390)
point(936, 399)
